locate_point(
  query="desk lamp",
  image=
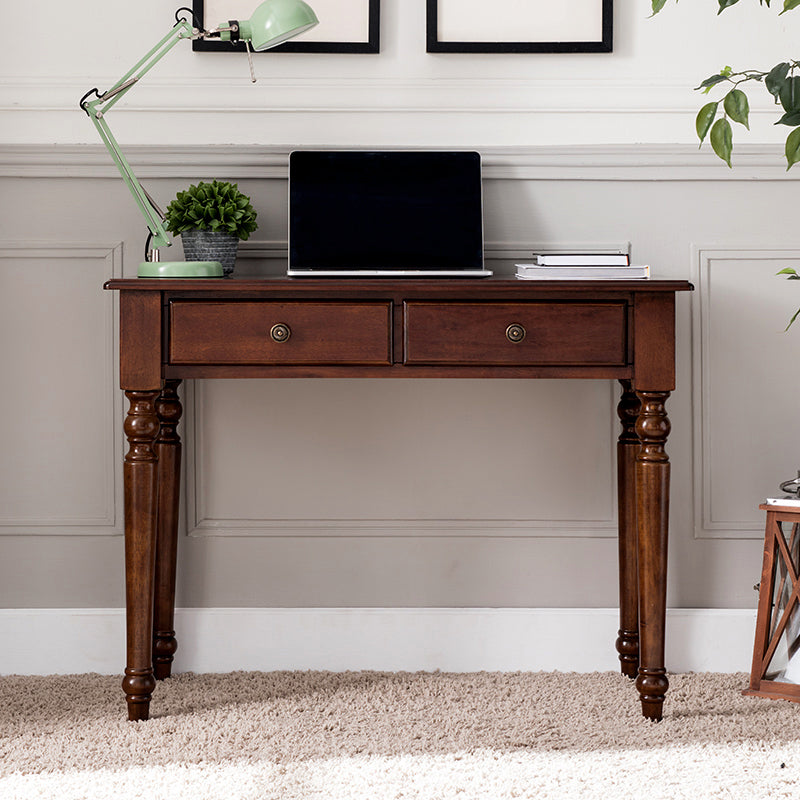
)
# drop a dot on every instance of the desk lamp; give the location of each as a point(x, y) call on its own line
point(273, 22)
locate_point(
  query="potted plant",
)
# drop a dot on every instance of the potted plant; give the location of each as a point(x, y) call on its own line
point(780, 81)
point(211, 219)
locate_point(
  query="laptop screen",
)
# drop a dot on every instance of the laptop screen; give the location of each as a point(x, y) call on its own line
point(385, 211)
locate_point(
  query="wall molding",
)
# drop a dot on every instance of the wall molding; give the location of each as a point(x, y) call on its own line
point(199, 524)
point(706, 526)
point(580, 162)
point(373, 94)
point(110, 522)
point(64, 641)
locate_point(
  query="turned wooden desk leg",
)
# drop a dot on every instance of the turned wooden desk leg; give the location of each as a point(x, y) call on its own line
point(627, 449)
point(168, 450)
point(652, 505)
point(141, 507)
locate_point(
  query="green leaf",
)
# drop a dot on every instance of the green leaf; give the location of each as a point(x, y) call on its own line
point(788, 271)
point(709, 82)
point(789, 94)
point(737, 107)
point(776, 77)
point(788, 5)
point(705, 118)
point(722, 140)
point(791, 118)
point(796, 313)
point(723, 4)
point(657, 5)
point(793, 148)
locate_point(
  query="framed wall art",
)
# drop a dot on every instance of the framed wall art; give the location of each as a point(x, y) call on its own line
point(519, 26)
point(345, 26)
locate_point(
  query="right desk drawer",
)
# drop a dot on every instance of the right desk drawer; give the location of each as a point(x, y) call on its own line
point(516, 333)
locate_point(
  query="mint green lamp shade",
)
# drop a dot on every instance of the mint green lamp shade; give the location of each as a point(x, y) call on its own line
point(275, 21)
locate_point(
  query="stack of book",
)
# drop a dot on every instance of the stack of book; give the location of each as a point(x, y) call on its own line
point(581, 267)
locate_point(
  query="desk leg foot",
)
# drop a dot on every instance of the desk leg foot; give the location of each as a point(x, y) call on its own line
point(627, 449)
point(141, 506)
point(652, 685)
point(627, 645)
point(168, 449)
point(138, 686)
point(652, 510)
point(164, 646)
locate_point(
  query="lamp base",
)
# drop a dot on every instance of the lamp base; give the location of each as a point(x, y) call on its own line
point(180, 269)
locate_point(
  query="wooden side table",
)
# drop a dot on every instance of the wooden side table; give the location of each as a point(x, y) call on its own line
point(387, 328)
point(776, 652)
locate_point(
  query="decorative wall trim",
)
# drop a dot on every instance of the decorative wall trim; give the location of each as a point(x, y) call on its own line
point(48, 93)
point(368, 95)
point(64, 641)
point(66, 254)
point(579, 162)
point(706, 525)
point(269, 257)
point(199, 524)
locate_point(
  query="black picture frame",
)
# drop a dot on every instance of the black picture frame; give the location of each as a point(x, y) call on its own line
point(563, 45)
point(372, 45)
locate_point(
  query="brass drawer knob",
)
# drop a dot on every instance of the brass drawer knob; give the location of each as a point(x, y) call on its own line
point(280, 333)
point(515, 332)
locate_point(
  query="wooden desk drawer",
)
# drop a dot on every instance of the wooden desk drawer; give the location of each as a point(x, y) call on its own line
point(515, 333)
point(208, 332)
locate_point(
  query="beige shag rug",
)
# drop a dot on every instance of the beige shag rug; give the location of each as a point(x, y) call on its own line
point(404, 736)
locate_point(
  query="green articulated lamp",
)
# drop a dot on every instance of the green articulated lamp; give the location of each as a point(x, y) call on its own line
point(273, 22)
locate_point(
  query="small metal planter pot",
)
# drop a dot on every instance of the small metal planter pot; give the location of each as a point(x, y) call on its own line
point(211, 246)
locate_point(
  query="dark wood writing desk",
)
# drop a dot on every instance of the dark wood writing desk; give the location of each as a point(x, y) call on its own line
point(388, 328)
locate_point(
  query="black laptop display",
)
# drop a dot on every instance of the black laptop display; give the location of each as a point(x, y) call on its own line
point(364, 213)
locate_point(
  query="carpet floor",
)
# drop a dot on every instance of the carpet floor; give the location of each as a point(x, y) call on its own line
point(398, 736)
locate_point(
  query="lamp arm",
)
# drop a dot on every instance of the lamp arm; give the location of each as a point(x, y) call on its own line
point(97, 109)
point(153, 215)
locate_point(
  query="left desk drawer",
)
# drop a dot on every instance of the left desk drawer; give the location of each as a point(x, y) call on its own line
point(253, 332)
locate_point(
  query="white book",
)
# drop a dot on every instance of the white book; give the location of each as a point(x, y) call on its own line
point(783, 501)
point(582, 259)
point(538, 272)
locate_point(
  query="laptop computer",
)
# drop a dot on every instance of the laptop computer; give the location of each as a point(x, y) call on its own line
point(408, 213)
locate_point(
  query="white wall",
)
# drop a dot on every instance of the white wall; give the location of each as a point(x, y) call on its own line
point(639, 93)
point(580, 149)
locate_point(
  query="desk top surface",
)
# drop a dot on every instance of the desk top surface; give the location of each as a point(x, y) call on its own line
point(462, 287)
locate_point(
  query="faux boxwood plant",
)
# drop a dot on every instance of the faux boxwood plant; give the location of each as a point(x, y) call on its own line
point(781, 81)
point(216, 206)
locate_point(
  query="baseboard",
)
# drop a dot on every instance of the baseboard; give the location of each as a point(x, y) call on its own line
point(65, 641)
